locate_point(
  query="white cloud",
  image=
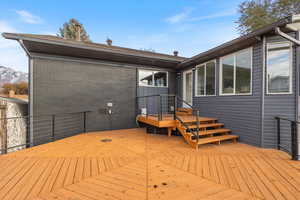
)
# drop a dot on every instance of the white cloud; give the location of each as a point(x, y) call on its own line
point(214, 15)
point(28, 17)
point(185, 16)
point(179, 17)
point(11, 54)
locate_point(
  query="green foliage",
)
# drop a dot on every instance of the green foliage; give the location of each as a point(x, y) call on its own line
point(70, 29)
point(255, 14)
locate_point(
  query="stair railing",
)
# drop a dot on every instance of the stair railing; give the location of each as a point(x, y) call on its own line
point(197, 114)
point(294, 152)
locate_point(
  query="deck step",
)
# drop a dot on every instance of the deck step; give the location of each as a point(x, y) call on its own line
point(216, 139)
point(209, 125)
point(186, 110)
point(210, 132)
point(179, 113)
point(192, 119)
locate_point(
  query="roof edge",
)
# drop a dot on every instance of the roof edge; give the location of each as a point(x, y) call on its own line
point(254, 34)
point(168, 57)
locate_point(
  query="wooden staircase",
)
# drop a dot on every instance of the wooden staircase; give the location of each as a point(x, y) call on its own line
point(210, 131)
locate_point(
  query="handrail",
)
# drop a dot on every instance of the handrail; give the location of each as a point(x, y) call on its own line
point(294, 136)
point(187, 103)
point(52, 136)
point(184, 124)
point(45, 115)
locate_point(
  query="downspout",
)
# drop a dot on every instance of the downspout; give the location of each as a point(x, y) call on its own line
point(297, 87)
point(263, 92)
point(30, 92)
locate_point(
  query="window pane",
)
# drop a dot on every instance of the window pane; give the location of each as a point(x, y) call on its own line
point(210, 78)
point(278, 69)
point(200, 80)
point(160, 79)
point(227, 73)
point(243, 72)
point(145, 78)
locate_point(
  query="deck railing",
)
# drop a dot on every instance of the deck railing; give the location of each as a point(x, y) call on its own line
point(292, 146)
point(15, 131)
point(160, 105)
point(157, 106)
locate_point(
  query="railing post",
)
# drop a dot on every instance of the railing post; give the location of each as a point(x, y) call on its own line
point(146, 99)
point(159, 108)
point(53, 127)
point(198, 126)
point(175, 107)
point(294, 137)
point(278, 132)
point(84, 122)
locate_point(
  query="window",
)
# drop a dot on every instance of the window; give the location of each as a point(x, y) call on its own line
point(153, 78)
point(236, 73)
point(279, 68)
point(206, 79)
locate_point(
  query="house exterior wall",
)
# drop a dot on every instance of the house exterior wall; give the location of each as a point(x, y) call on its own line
point(241, 114)
point(283, 105)
point(75, 85)
point(247, 115)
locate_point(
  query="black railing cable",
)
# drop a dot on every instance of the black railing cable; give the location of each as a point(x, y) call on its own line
point(294, 137)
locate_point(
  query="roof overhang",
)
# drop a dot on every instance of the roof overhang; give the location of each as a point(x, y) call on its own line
point(72, 49)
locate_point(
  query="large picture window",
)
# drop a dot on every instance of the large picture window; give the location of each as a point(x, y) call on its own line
point(153, 78)
point(279, 68)
point(206, 79)
point(236, 73)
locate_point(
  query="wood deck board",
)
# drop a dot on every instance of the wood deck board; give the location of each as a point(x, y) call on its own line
point(136, 165)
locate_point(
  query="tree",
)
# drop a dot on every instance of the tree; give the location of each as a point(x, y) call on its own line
point(69, 30)
point(255, 14)
point(19, 88)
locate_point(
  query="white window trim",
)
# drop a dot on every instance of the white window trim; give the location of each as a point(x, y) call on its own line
point(138, 78)
point(196, 79)
point(234, 74)
point(290, 66)
point(184, 85)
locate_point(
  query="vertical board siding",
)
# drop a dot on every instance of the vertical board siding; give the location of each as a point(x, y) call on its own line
point(241, 114)
point(279, 105)
point(63, 86)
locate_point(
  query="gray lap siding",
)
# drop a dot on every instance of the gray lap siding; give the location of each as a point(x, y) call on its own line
point(241, 114)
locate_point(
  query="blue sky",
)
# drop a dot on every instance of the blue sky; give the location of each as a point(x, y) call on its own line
point(189, 26)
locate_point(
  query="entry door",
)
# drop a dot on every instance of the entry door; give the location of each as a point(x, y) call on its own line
point(188, 87)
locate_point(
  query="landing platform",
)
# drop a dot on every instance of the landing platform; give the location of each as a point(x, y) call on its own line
point(168, 120)
point(136, 165)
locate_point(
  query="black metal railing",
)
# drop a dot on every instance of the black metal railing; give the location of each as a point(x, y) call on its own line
point(161, 106)
point(195, 112)
point(291, 139)
point(157, 106)
point(15, 131)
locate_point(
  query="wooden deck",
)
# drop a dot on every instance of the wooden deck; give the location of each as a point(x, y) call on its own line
point(135, 165)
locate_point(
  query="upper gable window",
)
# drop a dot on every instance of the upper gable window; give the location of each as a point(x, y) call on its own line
point(206, 79)
point(236, 73)
point(279, 68)
point(153, 78)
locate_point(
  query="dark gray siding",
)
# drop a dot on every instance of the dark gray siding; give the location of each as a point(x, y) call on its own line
point(63, 86)
point(242, 114)
point(279, 105)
